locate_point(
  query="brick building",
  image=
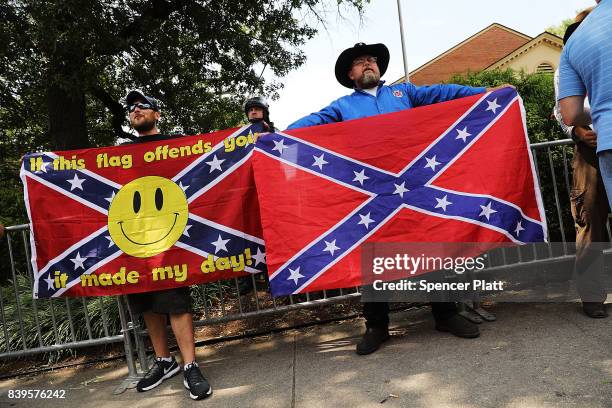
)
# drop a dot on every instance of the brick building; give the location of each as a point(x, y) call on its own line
point(495, 47)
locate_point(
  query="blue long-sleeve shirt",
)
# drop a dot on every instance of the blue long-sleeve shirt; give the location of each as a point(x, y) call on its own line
point(584, 69)
point(361, 104)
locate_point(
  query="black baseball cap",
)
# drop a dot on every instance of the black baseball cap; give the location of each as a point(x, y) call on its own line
point(137, 94)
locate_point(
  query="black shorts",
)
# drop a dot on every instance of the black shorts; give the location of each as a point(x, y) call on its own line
point(175, 300)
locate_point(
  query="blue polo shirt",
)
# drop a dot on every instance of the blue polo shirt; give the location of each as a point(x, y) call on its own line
point(361, 104)
point(586, 69)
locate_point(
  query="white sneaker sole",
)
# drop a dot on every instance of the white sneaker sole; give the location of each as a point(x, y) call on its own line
point(169, 374)
point(195, 397)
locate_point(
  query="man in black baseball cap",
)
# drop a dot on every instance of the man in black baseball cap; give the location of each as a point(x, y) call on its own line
point(156, 307)
point(360, 68)
point(136, 94)
point(144, 112)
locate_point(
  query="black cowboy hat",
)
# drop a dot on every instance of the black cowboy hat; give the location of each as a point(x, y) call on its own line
point(345, 60)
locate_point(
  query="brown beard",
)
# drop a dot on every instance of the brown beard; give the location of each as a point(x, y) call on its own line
point(144, 126)
point(368, 80)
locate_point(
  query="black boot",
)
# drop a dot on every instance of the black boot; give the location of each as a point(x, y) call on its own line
point(458, 326)
point(372, 339)
point(596, 310)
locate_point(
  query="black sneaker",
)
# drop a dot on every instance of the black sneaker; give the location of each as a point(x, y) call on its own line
point(371, 340)
point(160, 371)
point(458, 326)
point(595, 310)
point(195, 382)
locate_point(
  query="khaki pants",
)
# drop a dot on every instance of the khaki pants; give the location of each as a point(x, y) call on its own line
point(590, 212)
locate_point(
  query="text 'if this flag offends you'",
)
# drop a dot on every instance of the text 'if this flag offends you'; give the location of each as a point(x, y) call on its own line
point(144, 216)
point(458, 171)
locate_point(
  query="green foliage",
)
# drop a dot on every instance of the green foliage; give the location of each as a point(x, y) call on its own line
point(65, 65)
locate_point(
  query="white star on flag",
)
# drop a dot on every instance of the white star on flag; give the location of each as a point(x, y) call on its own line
point(487, 211)
point(519, 228)
point(319, 161)
point(78, 261)
point(184, 188)
point(493, 106)
point(220, 244)
point(443, 203)
point(215, 164)
point(279, 146)
point(365, 220)
point(49, 281)
point(463, 134)
point(110, 199)
point(330, 247)
point(432, 163)
point(76, 182)
point(360, 177)
point(110, 241)
point(259, 257)
point(400, 189)
point(186, 231)
point(295, 275)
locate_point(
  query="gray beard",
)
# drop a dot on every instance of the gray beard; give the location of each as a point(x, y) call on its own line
point(368, 80)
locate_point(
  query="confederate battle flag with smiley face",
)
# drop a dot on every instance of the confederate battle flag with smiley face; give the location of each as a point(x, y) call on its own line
point(143, 217)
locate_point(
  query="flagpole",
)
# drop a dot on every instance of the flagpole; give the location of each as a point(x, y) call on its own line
point(401, 25)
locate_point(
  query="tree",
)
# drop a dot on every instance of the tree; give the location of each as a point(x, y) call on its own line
point(65, 64)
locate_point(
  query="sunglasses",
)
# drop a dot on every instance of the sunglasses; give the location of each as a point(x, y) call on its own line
point(363, 60)
point(140, 106)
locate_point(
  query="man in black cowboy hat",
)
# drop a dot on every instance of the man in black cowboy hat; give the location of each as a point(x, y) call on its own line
point(360, 68)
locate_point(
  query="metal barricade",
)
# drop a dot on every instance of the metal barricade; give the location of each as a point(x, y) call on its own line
point(35, 326)
point(220, 301)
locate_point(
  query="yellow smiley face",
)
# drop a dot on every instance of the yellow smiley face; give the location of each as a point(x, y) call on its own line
point(147, 216)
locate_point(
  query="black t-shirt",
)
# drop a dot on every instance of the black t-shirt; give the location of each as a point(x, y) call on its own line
point(151, 138)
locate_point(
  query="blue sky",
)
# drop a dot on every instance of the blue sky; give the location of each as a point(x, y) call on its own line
point(430, 27)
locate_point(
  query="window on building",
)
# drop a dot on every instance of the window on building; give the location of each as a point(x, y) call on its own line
point(545, 68)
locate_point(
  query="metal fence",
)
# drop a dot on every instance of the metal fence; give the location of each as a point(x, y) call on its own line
point(69, 324)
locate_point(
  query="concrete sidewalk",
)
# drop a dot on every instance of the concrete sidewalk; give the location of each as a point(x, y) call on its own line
point(535, 355)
